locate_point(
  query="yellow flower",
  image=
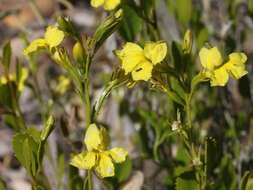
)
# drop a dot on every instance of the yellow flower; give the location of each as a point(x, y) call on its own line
point(20, 82)
point(140, 62)
point(236, 65)
point(97, 156)
point(63, 85)
point(52, 38)
point(216, 71)
point(107, 4)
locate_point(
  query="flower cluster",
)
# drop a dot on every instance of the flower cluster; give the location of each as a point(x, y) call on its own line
point(107, 4)
point(140, 62)
point(216, 71)
point(97, 156)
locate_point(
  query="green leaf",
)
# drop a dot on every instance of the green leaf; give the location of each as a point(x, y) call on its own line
point(123, 170)
point(186, 181)
point(25, 149)
point(184, 10)
point(17, 144)
point(5, 96)
point(105, 29)
point(177, 87)
point(181, 9)
point(75, 181)
point(131, 24)
point(148, 6)
point(182, 156)
point(177, 56)
point(34, 133)
point(249, 184)
point(176, 98)
point(6, 55)
point(202, 37)
point(227, 175)
point(67, 26)
point(244, 180)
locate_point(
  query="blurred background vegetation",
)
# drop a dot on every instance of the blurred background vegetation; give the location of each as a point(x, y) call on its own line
point(136, 117)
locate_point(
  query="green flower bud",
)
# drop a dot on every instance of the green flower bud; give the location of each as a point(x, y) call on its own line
point(78, 53)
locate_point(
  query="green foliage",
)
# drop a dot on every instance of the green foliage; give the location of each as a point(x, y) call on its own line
point(106, 28)
point(249, 184)
point(123, 171)
point(26, 143)
point(186, 181)
point(32, 142)
point(131, 24)
point(6, 55)
point(245, 180)
point(182, 10)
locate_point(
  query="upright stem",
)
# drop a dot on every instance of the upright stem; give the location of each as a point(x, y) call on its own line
point(87, 92)
point(188, 113)
point(89, 180)
point(87, 102)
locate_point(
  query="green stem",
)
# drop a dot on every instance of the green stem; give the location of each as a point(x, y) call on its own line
point(87, 102)
point(188, 113)
point(89, 180)
point(87, 91)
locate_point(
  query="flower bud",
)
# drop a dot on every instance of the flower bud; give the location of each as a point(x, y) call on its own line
point(78, 52)
point(187, 43)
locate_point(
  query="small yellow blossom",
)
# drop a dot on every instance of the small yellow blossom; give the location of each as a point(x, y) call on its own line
point(12, 78)
point(216, 71)
point(140, 62)
point(107, 4)
point(63, 85)
point(97, 156)
point(52, 38)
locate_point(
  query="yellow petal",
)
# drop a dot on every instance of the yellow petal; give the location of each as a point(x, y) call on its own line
point(92, 138)
point(105, 166)
point(53, 36)
point(84, 160)
point(97, 3)
point(155, 51)
point(143, 71)
point(35, 46)
point(210, 58)
point(130, 56)
point(220, 77)
point(118, 154)
point(111, 4)
point(236, 65)
point(22, 79)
